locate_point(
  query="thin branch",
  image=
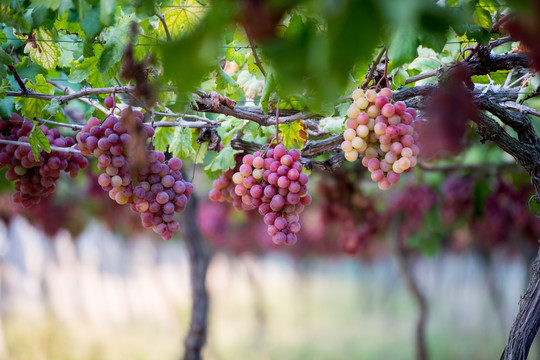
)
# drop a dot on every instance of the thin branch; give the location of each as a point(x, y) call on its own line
point(425, 75)
point(18, 78)
point(165, 27)
point(70, 150)
point(521, 108)
point(188, 124)
point(374, 64)
point(256, 57)
point(90, 102)
point(74, 127)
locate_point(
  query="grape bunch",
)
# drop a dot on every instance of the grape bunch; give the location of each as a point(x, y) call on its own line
point(384, 133)
point(35, 179)
point(223, 190)
point(156, 190)
point(274, 183)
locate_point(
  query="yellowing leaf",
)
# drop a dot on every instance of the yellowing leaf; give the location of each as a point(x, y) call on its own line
point(44, 52)
point(183, 18)
point(293, 135)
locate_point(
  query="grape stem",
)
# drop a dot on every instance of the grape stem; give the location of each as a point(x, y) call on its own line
point(74, 127)
point(71, 150)
point(372, 68)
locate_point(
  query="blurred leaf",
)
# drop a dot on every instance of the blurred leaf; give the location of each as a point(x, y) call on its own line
point(180, 145)
point(185, 18)
point(333, 125)
point(106, 11)
point(482, 17)
point(34, 107)
point(91, 23)
point(52, 107)
point(5, 58)
point(162, 138)
point(402, 49)
point(6, 108)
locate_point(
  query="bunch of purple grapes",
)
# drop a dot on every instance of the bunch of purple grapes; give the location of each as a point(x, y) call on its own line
point(156, 190)
point(274, 183)
point(35, 179)
point(223, 190)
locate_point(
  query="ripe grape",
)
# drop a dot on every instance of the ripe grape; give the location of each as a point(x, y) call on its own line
point(35, 179)
point(382, 131)
point(156, 190)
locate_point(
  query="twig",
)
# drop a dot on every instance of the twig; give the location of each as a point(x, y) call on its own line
point(70, 150)
point(256, 57)
point(521, 108)
point(374, 64)
point(18, 78)
point(165, 27)
point(67, 90)
point(425, 75)
point(188, 124)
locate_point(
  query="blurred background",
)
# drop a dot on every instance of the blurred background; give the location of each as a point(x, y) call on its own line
point(81, 279)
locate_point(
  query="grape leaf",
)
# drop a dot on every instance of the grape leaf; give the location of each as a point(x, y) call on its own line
point(162, 138)
point(13, 18)
point(222, 162)
point(106, 11)
point(403, 46)
point(185, 18)
point(6, 108)
point(49, 4)
point(34, 107)
point(37, 139)
point(46, 52)
point(482, 17)
point(180, 145)
point(112, 54)
point(5, 58)
point(52, 107)
point(334, 125)
point(293, 135)
point(91, 23)
point(82, 70)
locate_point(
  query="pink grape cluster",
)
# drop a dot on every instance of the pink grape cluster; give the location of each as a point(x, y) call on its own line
point(223, 190)
point(384, 132)
point(274, 183)
point(35, 180)
point(157, 190)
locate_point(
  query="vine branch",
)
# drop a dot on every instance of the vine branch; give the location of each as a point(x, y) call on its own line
point(70, 150)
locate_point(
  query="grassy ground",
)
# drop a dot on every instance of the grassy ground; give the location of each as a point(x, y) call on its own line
point(328, 310)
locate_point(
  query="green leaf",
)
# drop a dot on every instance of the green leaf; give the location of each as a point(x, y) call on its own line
point(224, 80)
point(46, 52)
point(182, 19)
point(81, 71)
point(403, 46)
point(52, 107)
point(91, 24)
point(293, 135)
point(34, 107)
point(5, 58)
point(162, 138)
point(106, 11)
point(49, 4)
point(111, 55)
point(37, 139)
point(180, 145)
point(333, 125)
point(269, 88)
point(222, 162)
point(88, 47)
point(482, 17)
point(6, 108)
point(400, 77)
point(13, 18)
